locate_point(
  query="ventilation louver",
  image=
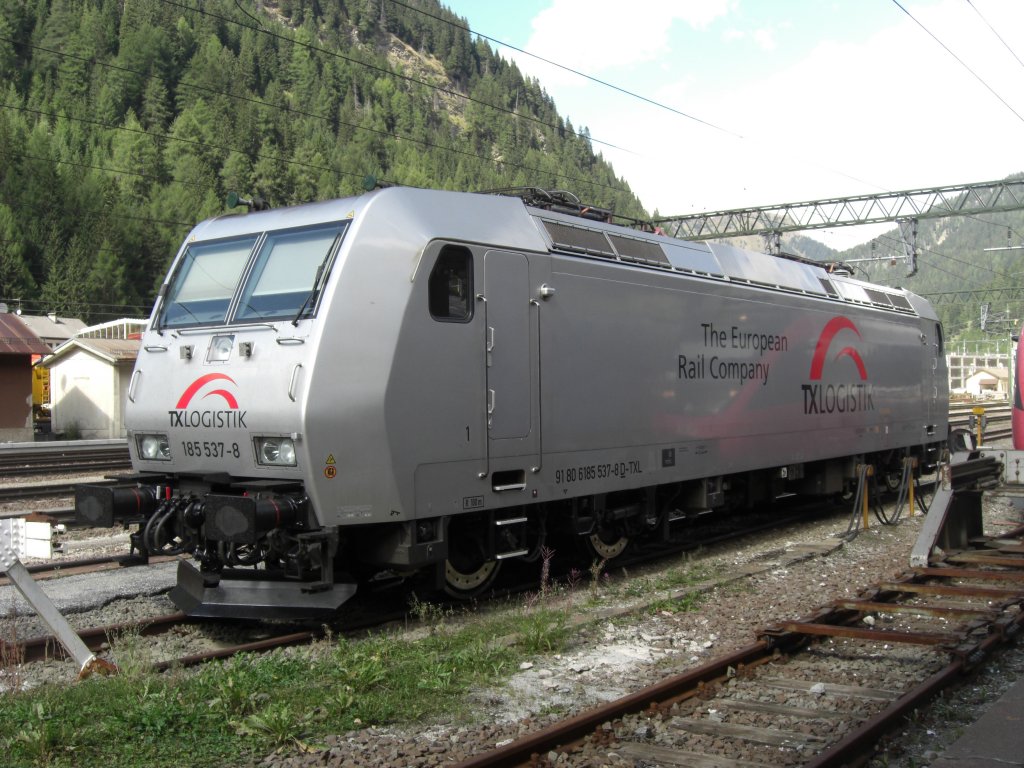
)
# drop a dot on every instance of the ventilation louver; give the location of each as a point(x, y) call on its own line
point(641, 251)
point(576, 239)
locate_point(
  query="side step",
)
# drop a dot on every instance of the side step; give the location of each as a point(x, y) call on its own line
point(247, 598)
point(504, 527)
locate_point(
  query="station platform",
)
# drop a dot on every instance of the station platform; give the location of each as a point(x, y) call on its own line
point(996, 740)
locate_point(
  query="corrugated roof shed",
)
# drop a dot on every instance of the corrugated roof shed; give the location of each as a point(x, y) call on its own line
point(51, 328)
point(17, 339)
point(111, 350)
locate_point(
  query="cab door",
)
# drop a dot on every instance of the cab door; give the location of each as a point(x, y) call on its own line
point(512, 380)
point(936, 379)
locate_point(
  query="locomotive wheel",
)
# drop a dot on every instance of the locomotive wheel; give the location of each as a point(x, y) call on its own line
point(607, 544)
point(892, 480)
point(469, 570)
point(463, 584)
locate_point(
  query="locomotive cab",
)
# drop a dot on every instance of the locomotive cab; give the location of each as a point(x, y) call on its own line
point(216, 427)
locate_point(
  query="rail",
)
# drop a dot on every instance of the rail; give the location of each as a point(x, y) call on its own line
point(17, 459)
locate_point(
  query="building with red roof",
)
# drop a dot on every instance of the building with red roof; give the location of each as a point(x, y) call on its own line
point(18, 344)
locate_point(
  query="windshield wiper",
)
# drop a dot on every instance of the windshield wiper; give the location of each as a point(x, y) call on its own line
point(162, 325)
point(309, 296)
point(314, 290)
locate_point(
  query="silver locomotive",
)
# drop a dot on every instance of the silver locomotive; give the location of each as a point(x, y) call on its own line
point(415, 381)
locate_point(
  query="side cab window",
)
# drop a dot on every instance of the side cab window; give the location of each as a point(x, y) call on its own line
point(450, 285)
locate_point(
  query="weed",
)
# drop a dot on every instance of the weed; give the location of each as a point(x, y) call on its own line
point(134, 657)
point(688, 602)
point(596, 573)
point(637, 587)
point(234, 699)
point(151, 714)
point(687, 576)
point(360, 670)
point(431, 614)
point(41, 736)
point(342, 700)
point(543, 631)
point(546, 556)
point(280, 700)
point(574, 578)
point(278, 724)
point(327, 635)
point(437, 677)
point(12, 655)
point(558, 710)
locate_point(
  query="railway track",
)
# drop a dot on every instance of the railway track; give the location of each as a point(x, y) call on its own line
point(56, 568)
point(819, 691)
point(378, 612)
point(24, 459)
point(97, 639)
point(86, 457)
point(997, 416)
point(63, 515)
point(704, 532)
point(770, 692)
point(794, 697)
point(12, 493)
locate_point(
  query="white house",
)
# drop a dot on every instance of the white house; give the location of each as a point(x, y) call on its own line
point(89, 380)
point(988, 382)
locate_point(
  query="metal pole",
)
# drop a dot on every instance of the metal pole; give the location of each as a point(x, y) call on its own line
point(869, 471)
point(910, 482)
point(979, 412)
point(50, 616)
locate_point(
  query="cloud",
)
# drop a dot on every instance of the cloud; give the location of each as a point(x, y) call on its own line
point(765, 39)
point(892, 111)
point(599, 36)
point(843, 112)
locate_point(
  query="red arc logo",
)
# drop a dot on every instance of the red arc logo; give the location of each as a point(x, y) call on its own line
point(202, 381)
point(833, 327)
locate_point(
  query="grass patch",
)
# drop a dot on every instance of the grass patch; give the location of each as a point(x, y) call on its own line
point(679, 577)
point(245, 708)
point(251, 705)
point(543, 631)
point(688, 602)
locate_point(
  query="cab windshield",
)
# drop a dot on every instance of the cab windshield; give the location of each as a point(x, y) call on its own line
point(272, 276)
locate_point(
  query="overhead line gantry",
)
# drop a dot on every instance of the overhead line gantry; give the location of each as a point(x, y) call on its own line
point(904, 208)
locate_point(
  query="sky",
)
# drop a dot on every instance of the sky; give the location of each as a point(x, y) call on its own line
point(782, 101)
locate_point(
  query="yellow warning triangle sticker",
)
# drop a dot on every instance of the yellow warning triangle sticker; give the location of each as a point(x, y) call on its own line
point(330, 459)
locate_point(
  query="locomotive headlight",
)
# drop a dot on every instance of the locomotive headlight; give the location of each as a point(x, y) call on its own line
point(220, 349)
point(275, 451)
point(153, 447)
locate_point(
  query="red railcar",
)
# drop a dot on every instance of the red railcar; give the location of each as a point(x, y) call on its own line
point(1018, 404)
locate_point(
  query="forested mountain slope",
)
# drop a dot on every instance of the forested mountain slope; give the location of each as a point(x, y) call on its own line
point(124, 123)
